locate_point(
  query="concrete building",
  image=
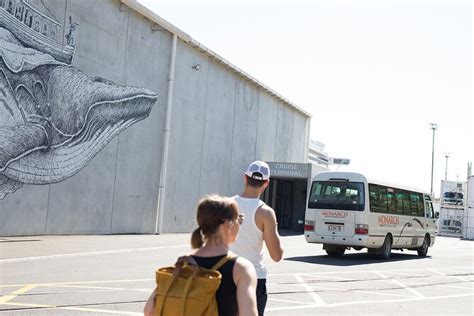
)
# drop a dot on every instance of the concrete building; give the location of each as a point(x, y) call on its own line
point(115, 121)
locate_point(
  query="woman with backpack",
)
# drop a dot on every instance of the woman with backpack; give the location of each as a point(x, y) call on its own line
point(218, 222)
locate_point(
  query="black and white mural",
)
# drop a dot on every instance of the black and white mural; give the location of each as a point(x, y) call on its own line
point(54, 119)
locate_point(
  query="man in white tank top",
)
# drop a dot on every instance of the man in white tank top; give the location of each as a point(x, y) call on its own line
point(258, 227)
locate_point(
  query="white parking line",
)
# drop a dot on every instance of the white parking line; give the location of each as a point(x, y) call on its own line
point(334, 277)
point(450, 276)
point(82, 309)
point(458, 287)
point(289, 301)
point(317, 299)
point(370, 302)
point(376, 292)
point(358, 272)
point(409, 289)
point(408, 274)
point(437, 272)
point(91, 253)
point(399, 284)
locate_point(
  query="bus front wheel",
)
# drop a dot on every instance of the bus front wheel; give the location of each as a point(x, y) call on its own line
point(423, 250)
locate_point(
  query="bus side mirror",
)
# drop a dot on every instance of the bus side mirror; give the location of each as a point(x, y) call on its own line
point(436, 215)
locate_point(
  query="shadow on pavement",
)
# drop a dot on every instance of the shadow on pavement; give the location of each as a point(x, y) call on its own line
point(289, 232)
point(354, 259)
point(18, 240)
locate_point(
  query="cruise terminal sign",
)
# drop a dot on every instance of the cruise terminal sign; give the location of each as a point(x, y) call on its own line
point(288, 170)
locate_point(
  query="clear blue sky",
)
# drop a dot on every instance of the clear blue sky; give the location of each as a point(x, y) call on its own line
point(373, 74)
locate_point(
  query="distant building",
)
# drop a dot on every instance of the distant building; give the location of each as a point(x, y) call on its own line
point(317, 155)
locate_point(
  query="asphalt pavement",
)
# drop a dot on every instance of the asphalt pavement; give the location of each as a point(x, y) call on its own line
point(114, 275)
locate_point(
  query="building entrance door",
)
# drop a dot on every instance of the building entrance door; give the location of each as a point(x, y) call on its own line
point(279, 196)
point(284, 193)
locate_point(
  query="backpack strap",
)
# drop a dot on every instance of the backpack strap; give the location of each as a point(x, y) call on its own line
point(221, 262)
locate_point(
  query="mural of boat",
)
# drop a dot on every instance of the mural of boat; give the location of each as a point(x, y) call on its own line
point(34, 29)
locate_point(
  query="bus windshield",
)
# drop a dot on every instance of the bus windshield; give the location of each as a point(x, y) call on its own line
point(337, 195)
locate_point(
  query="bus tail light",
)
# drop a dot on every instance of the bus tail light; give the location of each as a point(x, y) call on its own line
point(362, 229)
point(309, 225)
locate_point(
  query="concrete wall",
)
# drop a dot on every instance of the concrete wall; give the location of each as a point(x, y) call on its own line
point(219, 123)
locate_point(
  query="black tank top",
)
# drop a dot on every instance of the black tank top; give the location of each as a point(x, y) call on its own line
point(226, 295)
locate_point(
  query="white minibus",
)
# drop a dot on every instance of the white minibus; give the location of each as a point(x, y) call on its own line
point(346, 210)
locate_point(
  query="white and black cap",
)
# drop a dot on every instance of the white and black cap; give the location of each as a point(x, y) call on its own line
point(258, 170)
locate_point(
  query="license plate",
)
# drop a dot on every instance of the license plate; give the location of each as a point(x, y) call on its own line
point(334, 228)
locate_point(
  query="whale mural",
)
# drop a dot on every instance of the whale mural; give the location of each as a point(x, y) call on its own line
point(54, 119)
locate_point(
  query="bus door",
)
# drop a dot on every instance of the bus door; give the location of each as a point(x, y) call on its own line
point(430, 217)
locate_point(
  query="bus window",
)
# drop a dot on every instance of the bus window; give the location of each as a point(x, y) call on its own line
point(378, 198)
point(399, 197)
point(374, 198)
point(337, 195)
point(391, 201)
point(415, 203)
point(421, 207)
point(406, 203)
point(383, 200)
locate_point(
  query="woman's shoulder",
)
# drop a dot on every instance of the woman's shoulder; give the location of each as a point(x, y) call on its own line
point(243, 267)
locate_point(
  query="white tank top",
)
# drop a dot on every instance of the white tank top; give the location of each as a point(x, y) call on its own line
point(249, 242)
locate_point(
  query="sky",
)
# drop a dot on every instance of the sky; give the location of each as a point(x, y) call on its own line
point(373, 74)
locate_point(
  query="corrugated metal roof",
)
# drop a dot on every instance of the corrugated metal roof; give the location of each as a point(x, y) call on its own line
point(138, 7)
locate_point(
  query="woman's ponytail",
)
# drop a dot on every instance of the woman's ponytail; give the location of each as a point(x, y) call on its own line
point(196, 239)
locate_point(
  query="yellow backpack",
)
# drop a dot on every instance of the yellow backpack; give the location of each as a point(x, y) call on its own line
point(188, 289)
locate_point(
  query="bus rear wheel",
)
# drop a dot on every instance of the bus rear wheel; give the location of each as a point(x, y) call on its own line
point(336, 252)
point(423, 250)
point(386, 249)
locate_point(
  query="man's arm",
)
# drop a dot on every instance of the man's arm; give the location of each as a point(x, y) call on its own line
point(266, 221)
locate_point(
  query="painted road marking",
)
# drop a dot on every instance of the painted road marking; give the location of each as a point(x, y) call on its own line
point(91, 253)
point(309, 288)
point(12, 295)
point(371, 302)
point(317, 299)
point(375, 292)
point(369, 271)
point(82, 282)
point(99, 288)
point(289, 301)
point(383, 276)
point(82, 309)
point(450, 276)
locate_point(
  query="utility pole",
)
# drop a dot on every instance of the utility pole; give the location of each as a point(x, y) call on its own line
point(434, 127)
point(446, 169)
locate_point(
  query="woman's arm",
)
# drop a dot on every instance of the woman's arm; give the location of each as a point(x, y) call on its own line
point(245, 279)
point(149, 309)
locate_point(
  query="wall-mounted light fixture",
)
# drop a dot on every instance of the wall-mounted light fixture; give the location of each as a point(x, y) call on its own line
point(156, 28)
point(196, 67)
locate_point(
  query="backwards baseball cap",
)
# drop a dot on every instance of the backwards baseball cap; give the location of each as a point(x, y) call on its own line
point(258, 170)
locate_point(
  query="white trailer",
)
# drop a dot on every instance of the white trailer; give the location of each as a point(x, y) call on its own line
point(450, 222)
point(468, 219)
point(452, 192)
